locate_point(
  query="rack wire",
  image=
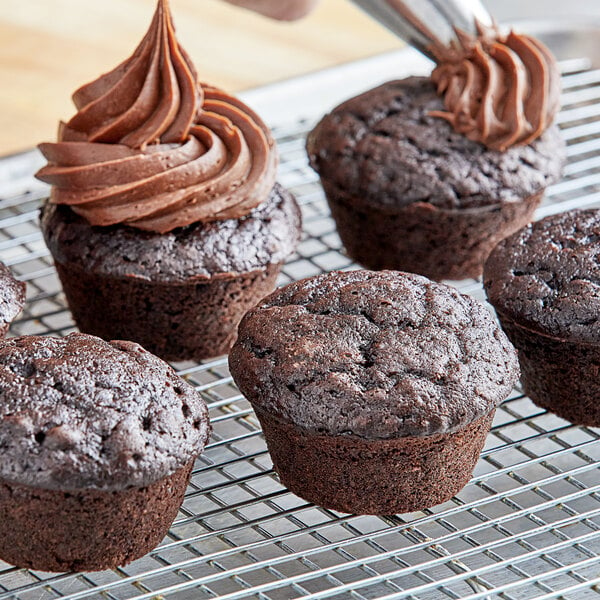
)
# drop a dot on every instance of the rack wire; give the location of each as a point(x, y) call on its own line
point(526, 526)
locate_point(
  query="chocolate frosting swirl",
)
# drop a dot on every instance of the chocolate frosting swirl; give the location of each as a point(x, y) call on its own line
point(152, 148)
point(500, 90)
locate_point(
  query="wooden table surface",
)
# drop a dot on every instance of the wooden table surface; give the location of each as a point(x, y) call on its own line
point(48, 48)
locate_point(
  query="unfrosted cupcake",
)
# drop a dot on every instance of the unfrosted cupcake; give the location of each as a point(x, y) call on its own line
point(375, 390)
point(544, 282)
point(430, 184)
point(97, 443)
point(164, 219)
point(12, 298)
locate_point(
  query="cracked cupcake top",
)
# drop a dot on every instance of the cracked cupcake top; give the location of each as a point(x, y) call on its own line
point(12, 297)
point(79, 413)
point(547, 276)
point(386, 147)
point(268, 235)
point(373, 354)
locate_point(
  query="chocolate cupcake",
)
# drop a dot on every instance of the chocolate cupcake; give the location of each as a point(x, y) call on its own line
point(375, 391)
point(427, 184)
point(544, 282)
point(97, 443)
point(167, 173)
point(12, 298)
point(195, 283)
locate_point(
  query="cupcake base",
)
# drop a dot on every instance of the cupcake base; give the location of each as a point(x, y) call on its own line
point(179, 294)
point(378, 477)
point(558, 375)
point(191, 320)
point(93, 530)
point(421, 238)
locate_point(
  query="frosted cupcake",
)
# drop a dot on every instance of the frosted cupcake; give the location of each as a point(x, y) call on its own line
point(165, 220)
point(427, 174)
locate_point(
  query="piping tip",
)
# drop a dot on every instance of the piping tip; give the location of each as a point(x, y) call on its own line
point(427, 24)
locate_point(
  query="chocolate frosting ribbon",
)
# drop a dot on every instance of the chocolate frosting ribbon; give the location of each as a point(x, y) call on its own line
point(500, 90)
point(152, 148)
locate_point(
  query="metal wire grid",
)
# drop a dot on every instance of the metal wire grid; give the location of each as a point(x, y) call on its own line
point(527, 525)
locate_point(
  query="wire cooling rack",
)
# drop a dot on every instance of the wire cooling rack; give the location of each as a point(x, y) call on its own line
point(526, 526)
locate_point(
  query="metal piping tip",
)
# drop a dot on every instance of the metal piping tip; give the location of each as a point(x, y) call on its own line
point(425, 24)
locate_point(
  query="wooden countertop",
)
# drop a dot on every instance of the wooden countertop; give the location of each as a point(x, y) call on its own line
point(48, 48)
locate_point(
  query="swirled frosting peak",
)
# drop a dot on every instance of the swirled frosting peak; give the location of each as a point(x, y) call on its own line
point(152, 148)
point(500, 90)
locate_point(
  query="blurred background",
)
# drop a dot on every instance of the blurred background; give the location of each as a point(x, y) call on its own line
point(48, 48)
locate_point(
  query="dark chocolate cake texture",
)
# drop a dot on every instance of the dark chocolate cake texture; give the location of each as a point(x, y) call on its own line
point(97, 443)
point(12, 298)
point(544, 282)
point(375, 390)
